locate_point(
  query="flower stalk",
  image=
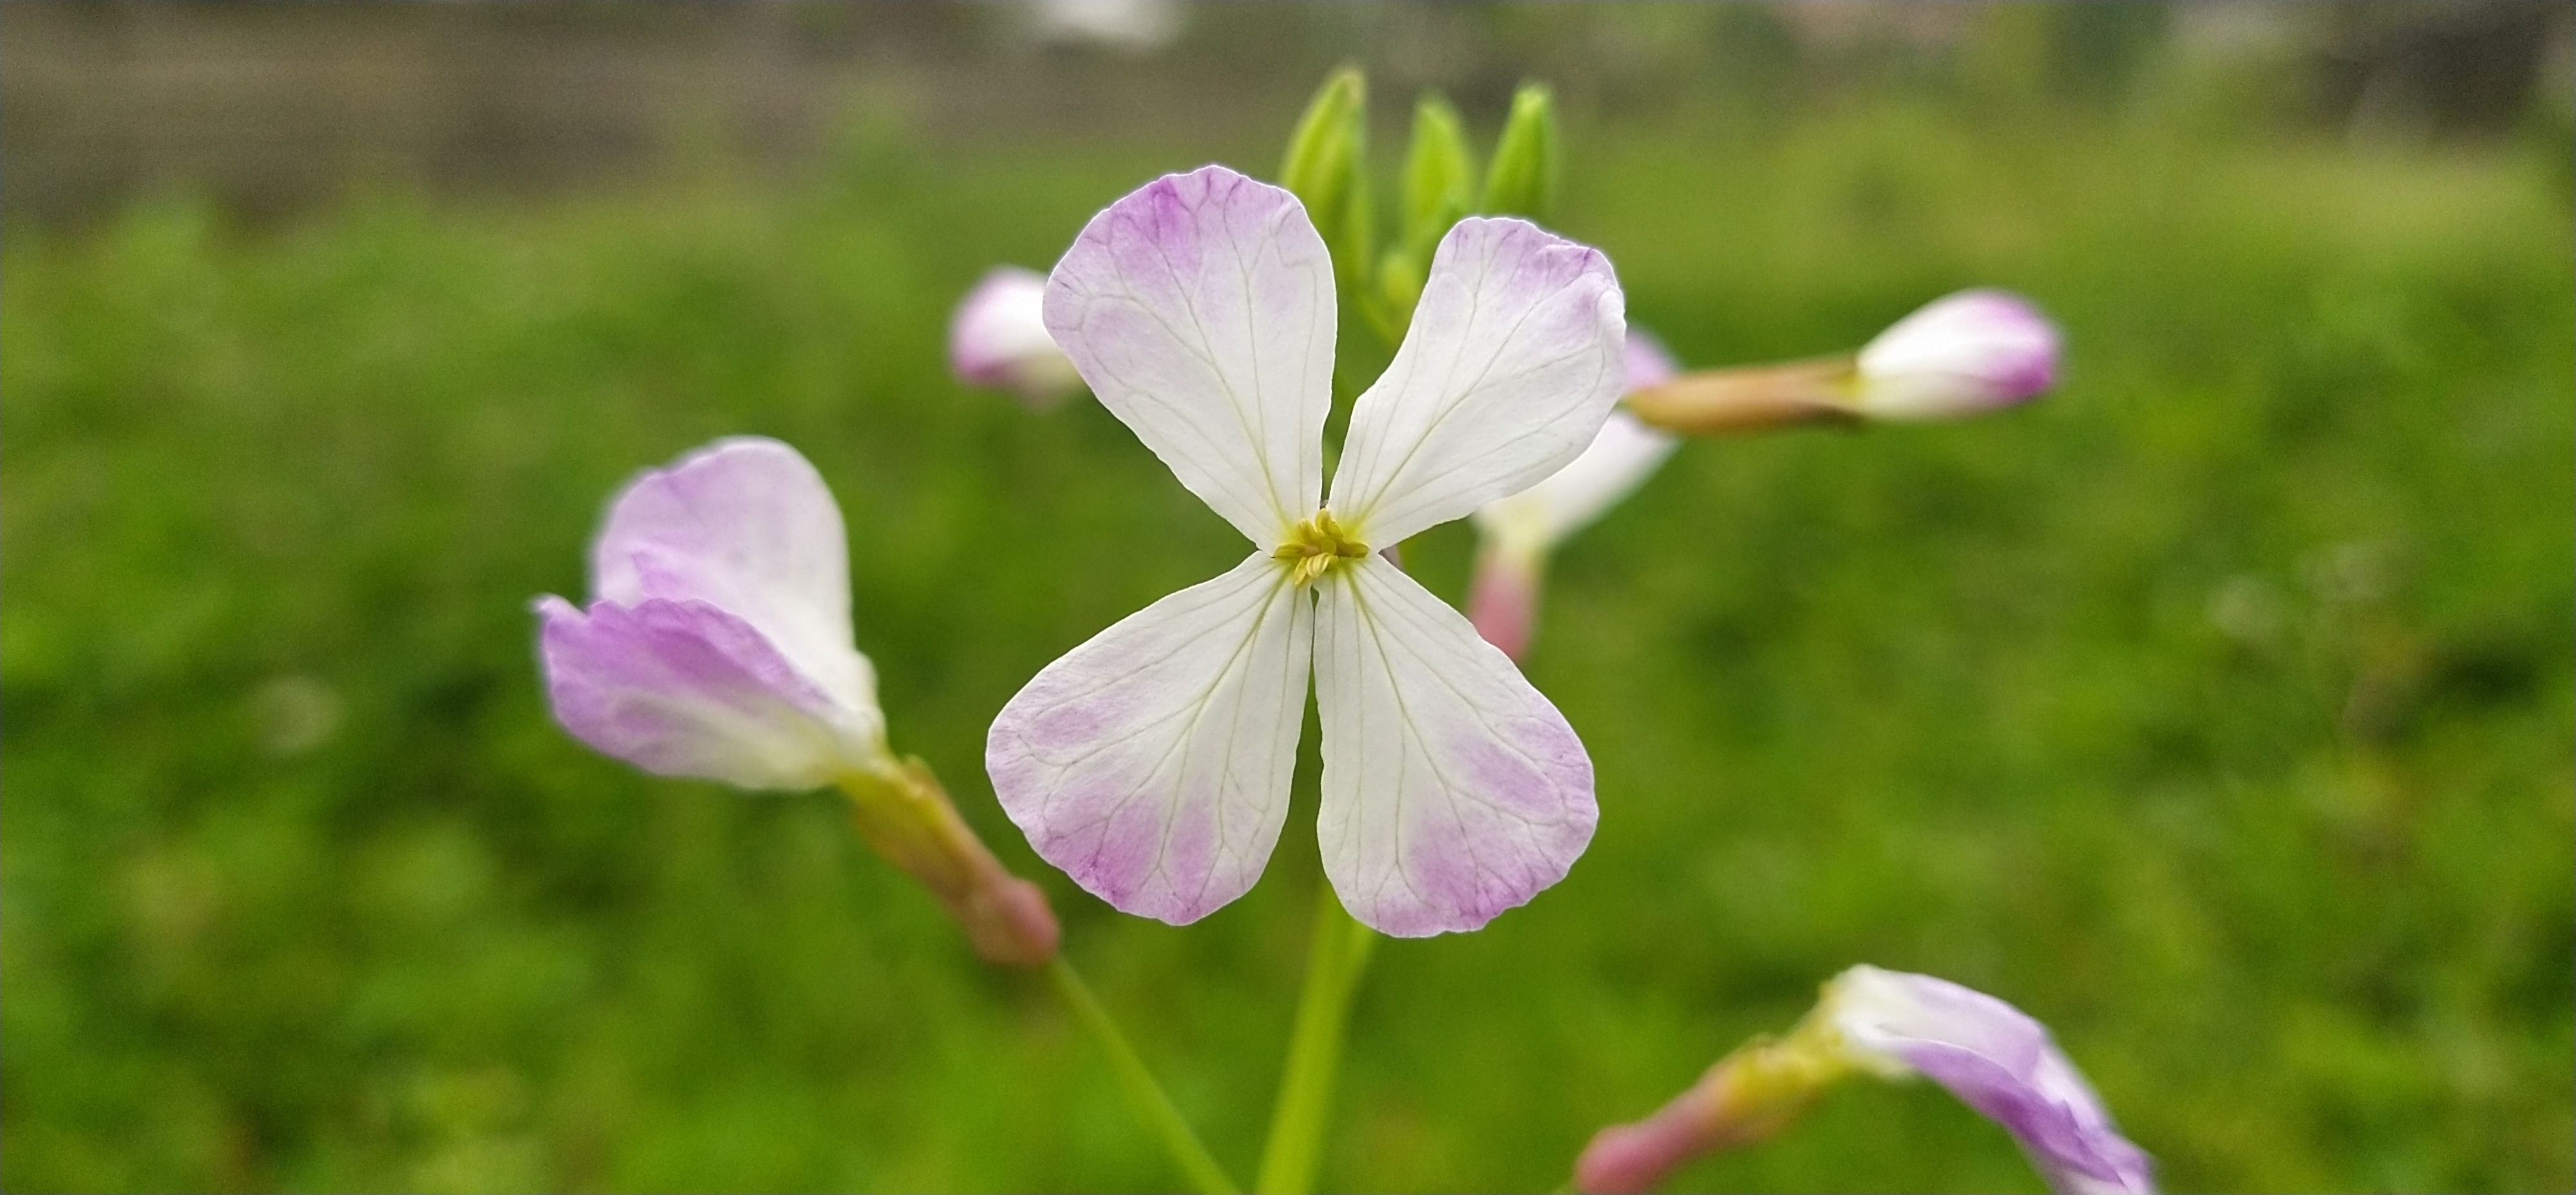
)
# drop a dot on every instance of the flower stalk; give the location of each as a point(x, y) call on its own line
point(1144, 1094)
point(904, 814)
point(1335, 960)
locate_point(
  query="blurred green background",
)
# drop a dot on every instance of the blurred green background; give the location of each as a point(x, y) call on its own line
point(2216, 710)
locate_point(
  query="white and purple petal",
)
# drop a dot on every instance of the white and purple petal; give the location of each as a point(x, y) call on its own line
point(1514, 358)
point(745, 525)
point(1152, 763)
point(1997, 1060)
point(1200, 311)
point(1452, 790)
point(683, 688)
point(1959, 354)
point(998, 339)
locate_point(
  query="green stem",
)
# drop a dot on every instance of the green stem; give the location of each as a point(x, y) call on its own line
point(1334, 962)
point(1142, 1091)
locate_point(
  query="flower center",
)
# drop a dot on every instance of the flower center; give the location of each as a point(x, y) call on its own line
point(1316, 545)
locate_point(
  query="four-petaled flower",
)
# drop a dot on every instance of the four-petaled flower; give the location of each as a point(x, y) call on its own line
point(1152, 763)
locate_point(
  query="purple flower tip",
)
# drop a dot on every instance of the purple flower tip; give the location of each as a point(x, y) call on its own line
point(1964, 353)
point(1997, 1060)
point(998, 339)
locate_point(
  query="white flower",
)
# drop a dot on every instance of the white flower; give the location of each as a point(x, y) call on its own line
point(1152, 763)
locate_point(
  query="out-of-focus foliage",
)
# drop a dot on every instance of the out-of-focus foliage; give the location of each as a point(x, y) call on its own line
point(2213, 710)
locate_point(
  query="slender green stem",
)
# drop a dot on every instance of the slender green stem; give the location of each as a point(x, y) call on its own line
point(1142, 1091)
point(1334, 962)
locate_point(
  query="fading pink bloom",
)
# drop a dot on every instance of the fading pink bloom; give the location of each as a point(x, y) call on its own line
point(1891, 1024)
point(717, 645)
point(717, 642)
point(1958, 355)
point(1152, 763)
point(998, 339)
point(1997, 1060)
point(1515, 534)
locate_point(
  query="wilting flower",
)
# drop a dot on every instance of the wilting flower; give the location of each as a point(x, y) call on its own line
point(1891, 1024)
point(1152, 763)
point(717, 645)
point(998, 338)
point(1997, 1060)
point(1965, 353)
point(1516, 533)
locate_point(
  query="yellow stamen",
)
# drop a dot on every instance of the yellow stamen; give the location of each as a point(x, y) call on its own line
point(1316, 545)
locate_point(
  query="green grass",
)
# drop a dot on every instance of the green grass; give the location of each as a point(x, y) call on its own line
point(2214, 710)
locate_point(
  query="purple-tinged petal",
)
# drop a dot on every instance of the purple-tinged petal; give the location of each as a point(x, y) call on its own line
point(1646, 362)
point(1964, 353)
point(1200, 310)
point(1515, 356)
point(1152, 762)
point(1995, 1059)
point(682, 688)
point(1452, 789)
point(998, 339)
point(745, 525)
point(1620, 458)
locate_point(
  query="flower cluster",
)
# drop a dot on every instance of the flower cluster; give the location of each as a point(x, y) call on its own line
point(1152, 764)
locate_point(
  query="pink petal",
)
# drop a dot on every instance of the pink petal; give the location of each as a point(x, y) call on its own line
point(745, 525)
point(1152, 763)
point(1997, 1060)
point(1200, 310)
point(682, 688)
point(1514, 358)
point(1452, 789)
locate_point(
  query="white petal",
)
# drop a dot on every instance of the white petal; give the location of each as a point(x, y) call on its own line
point(1515, 356)
point(745, 525)
point(1452, 789)
point(681, 688)
point(1200, 310)
point(1619, 460)
point(1152, 763)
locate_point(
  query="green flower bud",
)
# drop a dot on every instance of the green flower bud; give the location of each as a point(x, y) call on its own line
point(1326, 168)
point(1439, 176)
point(1523, 179)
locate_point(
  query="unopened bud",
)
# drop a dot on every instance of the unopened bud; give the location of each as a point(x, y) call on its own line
point(1968, 352)
point(998, 339)
point(1522, 179)
point(1325, 167)
point(904, 814)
